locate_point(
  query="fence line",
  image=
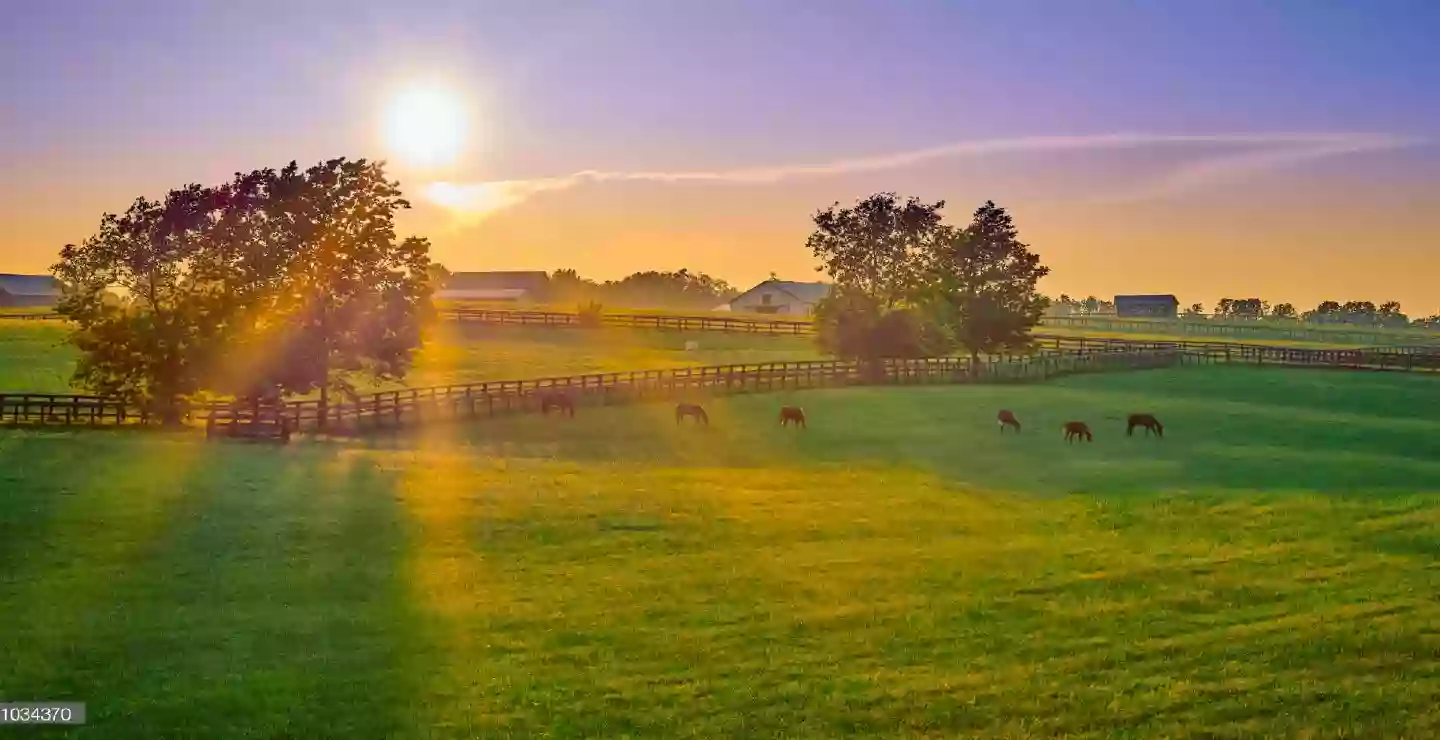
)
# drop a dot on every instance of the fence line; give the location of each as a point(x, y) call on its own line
point(794, 327)
point(662, 322)
point(1052, 357)
point(1258, 329)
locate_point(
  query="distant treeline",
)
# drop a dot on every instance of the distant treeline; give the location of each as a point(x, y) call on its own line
point(681, 289)
point(1354, 313)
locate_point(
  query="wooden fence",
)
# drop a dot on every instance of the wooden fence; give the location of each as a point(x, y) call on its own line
point(413, 406)
point(1415, 339)
point(662, 322)
point(1052, 357)
point(1296, 331)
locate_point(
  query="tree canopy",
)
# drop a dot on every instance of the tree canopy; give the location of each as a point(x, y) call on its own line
point(878, 245)
point(288, 281)
point(907, 284)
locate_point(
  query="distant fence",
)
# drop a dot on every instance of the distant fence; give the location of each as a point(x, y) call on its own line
point(663, 322)
point(1257, 329)
point(31, 316)
point(1399, 338)
point(1053, 357)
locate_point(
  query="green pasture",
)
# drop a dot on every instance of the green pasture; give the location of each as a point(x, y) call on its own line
point(1160, 334)
point(34, 356)
point(899, 569)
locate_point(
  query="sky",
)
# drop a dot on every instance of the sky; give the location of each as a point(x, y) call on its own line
point(1288, 150)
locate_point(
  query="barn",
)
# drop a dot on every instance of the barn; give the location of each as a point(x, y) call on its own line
point(1147, 306)
point(518, 286)
point(28, 290)
point(781, 297)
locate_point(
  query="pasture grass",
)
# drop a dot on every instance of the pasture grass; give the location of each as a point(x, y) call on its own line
point(900, 569)
point(1161, 335)
point(35, 358)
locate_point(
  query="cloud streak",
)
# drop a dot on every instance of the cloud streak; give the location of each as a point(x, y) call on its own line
point(470, 202)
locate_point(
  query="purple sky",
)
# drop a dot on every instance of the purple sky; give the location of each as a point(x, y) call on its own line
point(106, 101)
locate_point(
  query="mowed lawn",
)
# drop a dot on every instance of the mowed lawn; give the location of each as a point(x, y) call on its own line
point(899, 569)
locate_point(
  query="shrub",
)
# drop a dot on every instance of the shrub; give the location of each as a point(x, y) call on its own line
point(590, 314)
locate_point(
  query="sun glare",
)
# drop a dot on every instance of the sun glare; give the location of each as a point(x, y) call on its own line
point(425, 127)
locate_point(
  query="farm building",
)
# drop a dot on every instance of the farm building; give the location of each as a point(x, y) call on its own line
point(516, 286)
point(1147, 306)
point(28, 290)
point(781, 297)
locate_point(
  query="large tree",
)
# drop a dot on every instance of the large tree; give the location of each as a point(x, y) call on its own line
point(155, 347)
point(878, 245)
point(981, 283)
point(285, 281)
point(855, 325)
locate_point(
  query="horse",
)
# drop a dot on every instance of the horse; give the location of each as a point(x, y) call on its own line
point(561, 402)
point(694, 410)
point(1078, 430)
point(1006, 418)
point(792, 413)
point(1148, 421)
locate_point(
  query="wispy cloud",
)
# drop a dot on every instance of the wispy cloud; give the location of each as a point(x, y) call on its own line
point(470, 202)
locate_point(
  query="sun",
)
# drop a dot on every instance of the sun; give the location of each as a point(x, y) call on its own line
point(425, 126)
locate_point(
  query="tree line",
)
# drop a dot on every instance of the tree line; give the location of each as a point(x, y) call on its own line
point(907, 284)
point(680, 289)
point(1357, 313)
point(276, 282)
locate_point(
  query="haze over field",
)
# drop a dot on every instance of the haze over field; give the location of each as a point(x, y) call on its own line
point(1205, 148)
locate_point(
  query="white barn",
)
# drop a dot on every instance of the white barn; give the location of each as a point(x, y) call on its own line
point(781, 297)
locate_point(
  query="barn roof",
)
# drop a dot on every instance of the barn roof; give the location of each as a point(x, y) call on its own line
point(529, 280)
point(1150, 298)
point(29, 285)
point(803, 292)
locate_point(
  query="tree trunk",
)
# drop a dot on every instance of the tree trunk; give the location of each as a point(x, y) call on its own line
point(974, 364)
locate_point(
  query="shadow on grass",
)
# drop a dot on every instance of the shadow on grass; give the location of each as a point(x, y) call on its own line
point(208, 589)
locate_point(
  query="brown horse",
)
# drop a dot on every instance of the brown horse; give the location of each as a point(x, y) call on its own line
point(561, 402)
point(692, 410)
point(1007, 419)
point(1078, 430)
point(792, 413)
point(1149, 422)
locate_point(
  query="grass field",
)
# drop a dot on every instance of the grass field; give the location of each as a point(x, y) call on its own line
point(898, 570)
point(35, 358)
point(1162, 336)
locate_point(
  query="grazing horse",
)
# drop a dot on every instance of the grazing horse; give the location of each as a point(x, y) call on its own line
point(683, 410)
point(1007, 419)
point(1078, 430)
point(1149, 422)
point(792, 413)
point(561, 402)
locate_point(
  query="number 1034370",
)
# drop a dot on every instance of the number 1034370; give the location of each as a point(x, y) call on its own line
point(42, 713)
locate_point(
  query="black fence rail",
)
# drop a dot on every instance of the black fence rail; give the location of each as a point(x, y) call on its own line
point(1050, 357)
point(661, 322)
point(36, 316)
point(43, 408)
point(1296, 330)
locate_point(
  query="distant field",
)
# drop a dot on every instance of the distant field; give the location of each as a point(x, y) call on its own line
point(899, 569)
point(1161, 336)
point(1261, 331)
point(572, 307)
point(35, 358)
